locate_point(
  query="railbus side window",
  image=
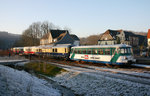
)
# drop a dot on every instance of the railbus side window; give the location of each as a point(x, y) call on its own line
point(76, 51)
point(89, 51)
point(94, 51)
point(107, 51)
point(100, 51)
point(83, 51)
point(79, 51)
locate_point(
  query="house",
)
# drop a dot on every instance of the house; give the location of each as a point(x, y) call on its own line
point(129, 38)
point(109, 38)
point(120, 37)
point(59, 37)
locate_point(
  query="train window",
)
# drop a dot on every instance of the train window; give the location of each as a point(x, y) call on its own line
point(65, 50)
point(94, 51)
point(80, 51)
point(125, 50)
point(83, 51)
point(89, 51)
point(100, 51)
point(107, 51)
point(122, 50)
point(55, 50)
point(76, 51)
point(40, 50)
point(28, 50)
point(129, 50)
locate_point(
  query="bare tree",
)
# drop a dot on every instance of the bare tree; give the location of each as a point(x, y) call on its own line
point(32, 35)
point(67, 28)
point(91, 40)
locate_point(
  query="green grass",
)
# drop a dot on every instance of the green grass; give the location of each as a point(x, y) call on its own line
point(44, 68)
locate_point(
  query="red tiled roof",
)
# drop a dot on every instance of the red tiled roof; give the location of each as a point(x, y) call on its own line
point(148, 34)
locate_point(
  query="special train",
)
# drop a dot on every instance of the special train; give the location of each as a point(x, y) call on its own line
point(119, 54)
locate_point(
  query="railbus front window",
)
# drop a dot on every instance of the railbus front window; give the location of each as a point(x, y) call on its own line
point(122, 50)
point(125, 50)
point(129, 50)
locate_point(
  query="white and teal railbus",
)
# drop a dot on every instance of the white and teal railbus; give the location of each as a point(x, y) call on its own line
point(119, 54)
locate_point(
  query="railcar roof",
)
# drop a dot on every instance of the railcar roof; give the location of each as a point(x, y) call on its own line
point(62, 46)
point(18, 47)
point(45, 46)
point(99, 46)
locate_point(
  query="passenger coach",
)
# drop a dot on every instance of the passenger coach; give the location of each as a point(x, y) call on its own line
point(108, 54)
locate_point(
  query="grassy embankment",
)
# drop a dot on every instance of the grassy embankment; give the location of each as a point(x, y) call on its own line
point(43, 68)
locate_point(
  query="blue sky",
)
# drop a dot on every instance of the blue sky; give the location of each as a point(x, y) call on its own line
point(83, 17)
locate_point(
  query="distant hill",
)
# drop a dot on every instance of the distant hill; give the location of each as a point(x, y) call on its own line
point(90, 40)
point(141, 33)
point(7, 39)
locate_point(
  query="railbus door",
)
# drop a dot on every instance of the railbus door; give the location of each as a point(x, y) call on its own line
point(115, 55)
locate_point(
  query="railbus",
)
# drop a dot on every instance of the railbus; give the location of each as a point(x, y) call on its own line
point(120, 54)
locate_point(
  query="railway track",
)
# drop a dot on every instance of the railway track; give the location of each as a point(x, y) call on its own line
point(131, 73)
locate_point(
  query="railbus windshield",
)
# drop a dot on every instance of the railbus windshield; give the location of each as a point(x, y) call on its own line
point(126, 50)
